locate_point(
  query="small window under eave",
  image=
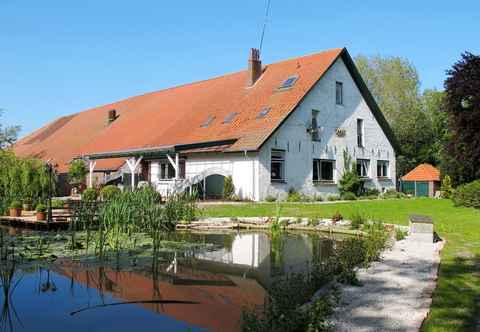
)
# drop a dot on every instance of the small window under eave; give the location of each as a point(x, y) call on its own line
point(289, 82)
point(229, 118)
point(208, 121)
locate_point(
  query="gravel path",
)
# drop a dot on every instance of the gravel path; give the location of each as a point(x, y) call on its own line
point(396, 292)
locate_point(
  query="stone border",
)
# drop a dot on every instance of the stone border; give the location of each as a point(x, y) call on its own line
point(263, 223)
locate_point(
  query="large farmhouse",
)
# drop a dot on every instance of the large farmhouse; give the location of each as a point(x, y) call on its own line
point(271, 128)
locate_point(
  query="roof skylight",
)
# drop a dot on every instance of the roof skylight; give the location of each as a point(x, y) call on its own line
point(229, 118)
point(263, 113)
point(289, 82)
point(208, 121)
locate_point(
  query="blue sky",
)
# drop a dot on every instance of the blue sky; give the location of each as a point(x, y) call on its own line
point(61, 57)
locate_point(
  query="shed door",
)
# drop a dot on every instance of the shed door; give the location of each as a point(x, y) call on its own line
point(422, 189)
point(408, 187)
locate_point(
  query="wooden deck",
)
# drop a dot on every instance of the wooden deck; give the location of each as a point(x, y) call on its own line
point(28, 220)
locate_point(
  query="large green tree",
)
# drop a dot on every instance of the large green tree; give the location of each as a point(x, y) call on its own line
point(433, 103)
point(395, 84)
point(462, 103)
point(8, 134)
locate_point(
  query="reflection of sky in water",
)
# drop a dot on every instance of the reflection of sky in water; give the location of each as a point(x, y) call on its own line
point(50, 311)
point(221, 281)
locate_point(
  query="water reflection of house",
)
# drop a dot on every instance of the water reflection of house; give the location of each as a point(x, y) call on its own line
point(220, 297)
point(222, 281)
point(258, 255)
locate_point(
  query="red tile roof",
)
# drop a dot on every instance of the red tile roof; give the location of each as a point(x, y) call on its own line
point(423, 172)
point(174, 116)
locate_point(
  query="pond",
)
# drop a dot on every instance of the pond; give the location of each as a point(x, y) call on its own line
point(204, 290)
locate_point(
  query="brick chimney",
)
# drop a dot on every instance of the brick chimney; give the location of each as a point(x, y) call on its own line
point(254, 67)
point(112, 116)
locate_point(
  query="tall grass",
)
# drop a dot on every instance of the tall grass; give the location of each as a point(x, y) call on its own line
point(113, 224)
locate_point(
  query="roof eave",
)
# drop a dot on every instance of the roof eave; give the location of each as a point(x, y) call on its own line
point(155, 151)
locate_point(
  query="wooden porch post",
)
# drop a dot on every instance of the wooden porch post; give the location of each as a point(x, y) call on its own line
point(175, 164)
point(177, 167)
point(204, 188)
point(133, 165)
point(91, 167)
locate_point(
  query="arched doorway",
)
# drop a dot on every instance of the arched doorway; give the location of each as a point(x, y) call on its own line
point(214, 186)
point(211, 187)
point(209, 183)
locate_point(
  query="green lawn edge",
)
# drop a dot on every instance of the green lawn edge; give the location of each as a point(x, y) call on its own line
point(456, 300)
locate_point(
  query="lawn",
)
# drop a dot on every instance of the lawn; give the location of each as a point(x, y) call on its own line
point(456, 301)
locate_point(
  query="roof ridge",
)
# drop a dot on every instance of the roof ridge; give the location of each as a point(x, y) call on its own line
point(338, 49)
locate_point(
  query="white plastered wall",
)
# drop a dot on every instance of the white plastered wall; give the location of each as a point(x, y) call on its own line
point(300, 150)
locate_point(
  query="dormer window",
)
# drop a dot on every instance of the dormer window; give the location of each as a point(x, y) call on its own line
point(208, 121)
point(289, 82)
point(229, 118)
point(263, 113)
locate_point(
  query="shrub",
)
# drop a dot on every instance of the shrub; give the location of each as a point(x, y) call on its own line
point(358, 220)
point(318, 198)
point(400, 235)
point(350, 181)
point(270, 198)
point(468, 195)
point(22, 178)
point(228, 188)
point(77, 171)
point(57, 204)
point(89, 195)
point(371, 192)
point(108, 193)
point(337, 217)
point(294, 196)
point(333, 198)
point(41, 208)
point(349, 196)
point(392, 193)
point(27, 201)
point(446, 187)
point(181, 207)
point(376, 242)
point(16, 205)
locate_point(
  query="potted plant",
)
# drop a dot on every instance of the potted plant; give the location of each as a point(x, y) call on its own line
point(41, 212)
point(27, 204)
point(16, 209)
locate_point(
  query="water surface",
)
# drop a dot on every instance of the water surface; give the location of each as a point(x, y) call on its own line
point(208, 288)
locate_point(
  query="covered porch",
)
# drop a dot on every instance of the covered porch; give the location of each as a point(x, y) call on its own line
point(163, 168)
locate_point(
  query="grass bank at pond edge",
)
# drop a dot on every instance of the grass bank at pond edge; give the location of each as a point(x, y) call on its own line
point(456, 301)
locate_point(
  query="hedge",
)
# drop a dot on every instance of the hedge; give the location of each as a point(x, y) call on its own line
point(468, 195)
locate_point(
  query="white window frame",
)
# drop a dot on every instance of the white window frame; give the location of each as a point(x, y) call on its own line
point(360, 133)
point(163, 167)
point(387, 169)
point(367, 168)
point(280, 160)
point(318, 164)
point(339, 93)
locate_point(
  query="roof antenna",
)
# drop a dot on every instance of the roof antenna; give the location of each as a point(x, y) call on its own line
point(264, 25)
